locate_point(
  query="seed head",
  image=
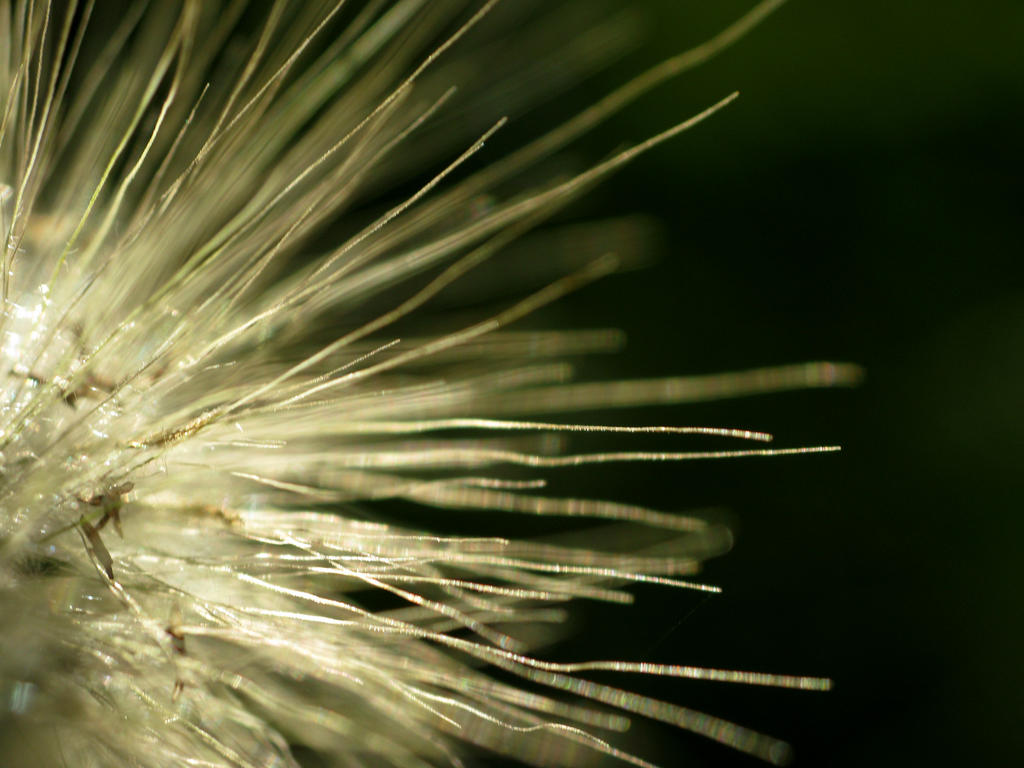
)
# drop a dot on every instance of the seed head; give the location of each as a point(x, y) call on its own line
point(246, 431)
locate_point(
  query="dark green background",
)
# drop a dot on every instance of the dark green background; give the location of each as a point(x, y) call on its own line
point(860, 202)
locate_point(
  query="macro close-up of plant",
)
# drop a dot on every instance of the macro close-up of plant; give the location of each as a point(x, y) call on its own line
point(287, 411)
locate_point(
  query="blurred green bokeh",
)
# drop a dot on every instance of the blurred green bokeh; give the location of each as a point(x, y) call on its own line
point(861, 201)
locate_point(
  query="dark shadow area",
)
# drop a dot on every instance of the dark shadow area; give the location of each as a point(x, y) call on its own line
point(860, 202)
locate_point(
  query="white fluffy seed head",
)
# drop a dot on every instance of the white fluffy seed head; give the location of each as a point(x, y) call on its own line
point(220, 357)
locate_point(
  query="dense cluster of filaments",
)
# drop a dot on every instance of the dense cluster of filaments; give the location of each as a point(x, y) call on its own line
point(224, 343)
